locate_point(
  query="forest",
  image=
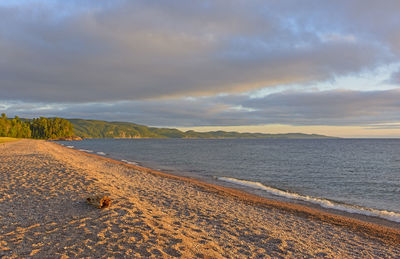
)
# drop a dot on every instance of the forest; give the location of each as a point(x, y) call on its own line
point(62, 129)
point(38, 128)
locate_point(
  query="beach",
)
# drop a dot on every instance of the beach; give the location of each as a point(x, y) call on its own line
point(44, 213)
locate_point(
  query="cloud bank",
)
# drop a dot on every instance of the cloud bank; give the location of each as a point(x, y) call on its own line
point(339, 107)
point(86, 51)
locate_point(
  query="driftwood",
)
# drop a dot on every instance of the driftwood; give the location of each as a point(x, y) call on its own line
point(100, 201)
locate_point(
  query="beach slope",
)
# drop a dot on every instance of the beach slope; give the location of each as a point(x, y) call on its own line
point(43, 213)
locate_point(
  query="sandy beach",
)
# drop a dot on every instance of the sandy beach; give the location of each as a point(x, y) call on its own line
point(44, 213)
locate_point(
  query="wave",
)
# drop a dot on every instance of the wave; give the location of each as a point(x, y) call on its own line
point(70, 146)
point(86, 150)
point(129, 162)
point(388, 215)
point(101, 153)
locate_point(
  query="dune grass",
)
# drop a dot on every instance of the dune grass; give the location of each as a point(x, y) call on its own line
point(7, 139)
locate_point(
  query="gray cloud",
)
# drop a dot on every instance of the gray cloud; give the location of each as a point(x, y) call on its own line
point(384, 127)
point(133, 50)
point(395, 78)
point(339, 107)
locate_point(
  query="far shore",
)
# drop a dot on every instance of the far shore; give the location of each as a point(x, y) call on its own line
point(43, 213)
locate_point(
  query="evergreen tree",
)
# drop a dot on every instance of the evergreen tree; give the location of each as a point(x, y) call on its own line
point(38, 128)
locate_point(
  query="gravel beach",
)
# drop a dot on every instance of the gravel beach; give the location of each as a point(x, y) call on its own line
point(44, 213)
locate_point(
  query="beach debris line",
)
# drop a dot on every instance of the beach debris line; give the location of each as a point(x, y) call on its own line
point(100, 201)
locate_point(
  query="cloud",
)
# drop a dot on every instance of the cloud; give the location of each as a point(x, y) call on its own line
point(395, 78)
point(338, 107)
point(136, 50)
point(384, 127)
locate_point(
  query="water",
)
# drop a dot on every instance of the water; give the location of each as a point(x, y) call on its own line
point(354, 175)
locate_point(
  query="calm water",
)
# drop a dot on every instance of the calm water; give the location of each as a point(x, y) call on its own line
point(355, 175)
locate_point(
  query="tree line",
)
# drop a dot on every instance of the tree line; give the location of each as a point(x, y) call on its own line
point(38, 128)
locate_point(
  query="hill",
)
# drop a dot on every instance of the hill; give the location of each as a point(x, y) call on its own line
point(104, 129)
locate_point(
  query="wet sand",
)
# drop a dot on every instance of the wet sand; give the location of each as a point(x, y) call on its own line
point(43, 213)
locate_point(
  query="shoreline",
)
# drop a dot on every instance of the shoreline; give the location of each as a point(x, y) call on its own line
point(333, 201)
point(44, 213)
point(373, 226)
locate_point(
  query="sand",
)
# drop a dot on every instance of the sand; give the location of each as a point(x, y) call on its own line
point(43, 213)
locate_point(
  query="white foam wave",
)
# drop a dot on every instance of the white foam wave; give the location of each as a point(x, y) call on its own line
point(70, 146)
point(129, 162)
point(101, 153)
point(86, 150)
point(388, 215)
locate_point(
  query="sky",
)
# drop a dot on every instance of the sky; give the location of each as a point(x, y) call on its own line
point(277, 66)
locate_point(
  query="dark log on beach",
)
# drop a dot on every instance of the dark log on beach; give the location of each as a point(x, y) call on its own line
point(100, 201)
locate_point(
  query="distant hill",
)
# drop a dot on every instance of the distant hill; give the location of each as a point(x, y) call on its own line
point(104, 129)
